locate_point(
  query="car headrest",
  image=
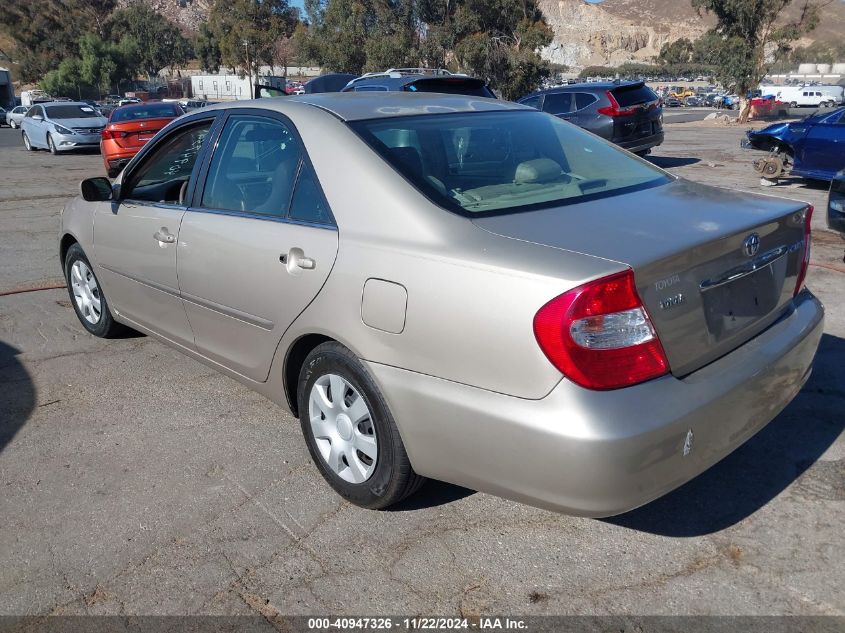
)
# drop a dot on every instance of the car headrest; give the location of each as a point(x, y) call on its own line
point(537, 170)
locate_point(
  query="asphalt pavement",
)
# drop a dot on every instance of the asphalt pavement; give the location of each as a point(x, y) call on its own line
point(137, 481)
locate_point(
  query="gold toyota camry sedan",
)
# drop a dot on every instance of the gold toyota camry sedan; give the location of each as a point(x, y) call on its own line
point(458, 288)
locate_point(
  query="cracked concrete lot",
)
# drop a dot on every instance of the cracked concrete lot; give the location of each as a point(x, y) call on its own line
point(136, 481)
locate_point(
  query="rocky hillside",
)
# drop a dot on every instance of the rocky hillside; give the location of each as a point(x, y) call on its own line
point(618, 31)
point(188, 14)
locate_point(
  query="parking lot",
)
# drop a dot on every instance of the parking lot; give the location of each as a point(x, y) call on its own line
point(137, 481)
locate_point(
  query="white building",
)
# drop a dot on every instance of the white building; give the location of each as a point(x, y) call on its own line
point(229, 87)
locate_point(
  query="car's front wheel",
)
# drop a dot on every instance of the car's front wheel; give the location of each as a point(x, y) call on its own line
point(27, 143)
point(350, 431)
point(87, 296)
point(51, 145)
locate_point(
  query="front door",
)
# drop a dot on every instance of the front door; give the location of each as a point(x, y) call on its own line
point(258, 245)
point(136, 237)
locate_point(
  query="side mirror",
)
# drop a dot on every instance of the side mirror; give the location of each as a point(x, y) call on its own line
point(96, 189)
point(37, 117)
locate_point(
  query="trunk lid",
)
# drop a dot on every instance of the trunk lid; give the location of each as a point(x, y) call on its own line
point(135, 134)
point(685, 243)
point(644, 115)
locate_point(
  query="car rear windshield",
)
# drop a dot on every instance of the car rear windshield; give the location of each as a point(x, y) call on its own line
point(484, 163)
point(72, 112)
point(452, 86)
point(147, 111)
point(633, 95)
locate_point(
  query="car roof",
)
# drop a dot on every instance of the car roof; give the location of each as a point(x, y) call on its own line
point(355, 106)
point(586, 86)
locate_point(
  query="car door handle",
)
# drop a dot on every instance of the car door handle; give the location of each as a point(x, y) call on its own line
point(306, 263)
point(295, 260)
point(162, 235)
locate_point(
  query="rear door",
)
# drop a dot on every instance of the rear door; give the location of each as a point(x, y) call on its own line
point(257, 245)
point(642, 113)
point(135, 237)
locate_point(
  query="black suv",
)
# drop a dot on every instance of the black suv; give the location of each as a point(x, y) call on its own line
point(629, 114)
point(420, 80)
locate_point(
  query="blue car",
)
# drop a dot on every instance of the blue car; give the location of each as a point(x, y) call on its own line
point(815, 146)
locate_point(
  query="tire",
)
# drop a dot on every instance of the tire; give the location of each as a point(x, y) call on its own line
point(390, 477)
point(13, 125)
point(793, 104)
point(51, 145)
point(27, 143)
point(104, 324)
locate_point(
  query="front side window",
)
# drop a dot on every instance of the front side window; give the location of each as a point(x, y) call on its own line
point(165, 172)
point(504, 162)
point(253, 168)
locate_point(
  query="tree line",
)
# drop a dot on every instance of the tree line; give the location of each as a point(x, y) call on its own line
point(68, 44)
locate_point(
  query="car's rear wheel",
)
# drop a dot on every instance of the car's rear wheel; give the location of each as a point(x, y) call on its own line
point(350, 431)
point(51, 145)
point(27, 143)
point(87, 297)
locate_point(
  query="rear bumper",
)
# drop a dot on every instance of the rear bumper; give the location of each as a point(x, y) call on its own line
point(642, 143)
point(602, 453)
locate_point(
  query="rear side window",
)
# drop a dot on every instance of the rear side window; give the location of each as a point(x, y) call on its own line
point(584, 99)
point(370, 88)
point(308, 203)
point(633, 95)
point(558, 103)
point(253, 168)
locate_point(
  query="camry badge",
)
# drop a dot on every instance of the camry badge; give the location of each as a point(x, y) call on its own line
point(750, 245)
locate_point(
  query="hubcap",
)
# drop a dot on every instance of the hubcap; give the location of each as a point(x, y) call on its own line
point(343, 429)
point(86, 292)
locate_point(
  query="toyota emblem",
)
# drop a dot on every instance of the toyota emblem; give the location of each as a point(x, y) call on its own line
point(750, 245)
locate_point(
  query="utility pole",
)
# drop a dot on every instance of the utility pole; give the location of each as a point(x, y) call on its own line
point(248, 68)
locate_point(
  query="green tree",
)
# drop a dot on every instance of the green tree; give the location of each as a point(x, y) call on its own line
point(45, 32)
point(497, 40)
point(159, 42)
point(100, 66)
point(207, 48)
point(677, 52)
point(246, 31)
point(751, 29)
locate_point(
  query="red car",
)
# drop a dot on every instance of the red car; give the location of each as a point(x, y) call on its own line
point(130, 127)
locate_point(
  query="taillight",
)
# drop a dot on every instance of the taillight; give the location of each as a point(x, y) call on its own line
point(805, 263)
point(614, 109)
point(107, 134)
point(600, 336)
